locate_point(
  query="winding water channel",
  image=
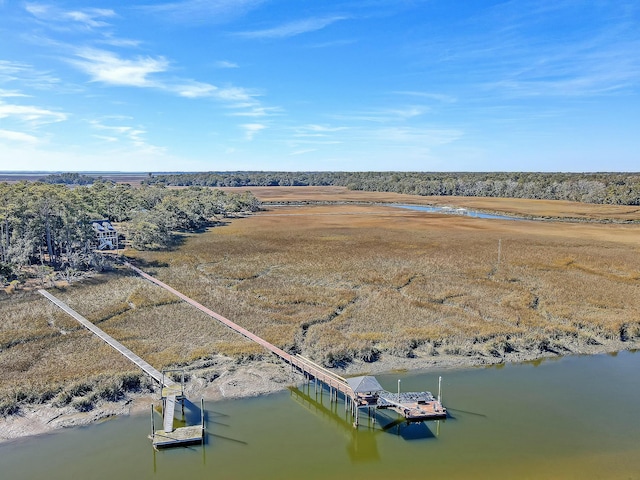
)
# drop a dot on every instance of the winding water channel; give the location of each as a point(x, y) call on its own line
point(457, 211)
point(572, 417)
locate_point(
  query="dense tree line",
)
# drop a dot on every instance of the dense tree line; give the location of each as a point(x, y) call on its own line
point(602, 188)
point(49, 225)
point(70, 178)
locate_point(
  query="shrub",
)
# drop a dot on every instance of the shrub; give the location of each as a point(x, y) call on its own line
point(337, 358)
point(9, 407)
point(84, 404)
point(110, 391)
point(131, 382)
point(78, 389)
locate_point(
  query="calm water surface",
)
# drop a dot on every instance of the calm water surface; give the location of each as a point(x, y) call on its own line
point(457, 211)
point(575, 417)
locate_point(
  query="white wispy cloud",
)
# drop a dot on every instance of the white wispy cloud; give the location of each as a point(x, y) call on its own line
point(423, 136)
point(11, 93)
point(316, 131)
point(440, 97)
point(30, 114)
point(106, 138)
point(518, 50)
point(332, 43)
point(585, 68)
point(120, 131)
point(407, 137)
point(226, 64)
point(26, 75)
point(88, 18)
point(407, 112)
point(18, 136)
point(236, 94)
point(109, 39)
point(385, 115)
point(10, 70)
point(237, 97)
point(323, 128)
point(251, 129)
point(293, 28)
point(147, 72)
point(256, 111)
point(107, 67)
point(201, 11)
point(302, 152)
point(134, 136)
point(195, 89)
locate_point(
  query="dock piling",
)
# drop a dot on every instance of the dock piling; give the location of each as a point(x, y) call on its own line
point(153, 424)
point(202, 417)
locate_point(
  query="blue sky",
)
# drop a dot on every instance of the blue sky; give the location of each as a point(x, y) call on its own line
point(434, 85)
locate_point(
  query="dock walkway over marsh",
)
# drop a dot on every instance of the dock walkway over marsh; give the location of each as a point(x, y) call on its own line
point(354, 396)
point(309, 369)
point(171, 391)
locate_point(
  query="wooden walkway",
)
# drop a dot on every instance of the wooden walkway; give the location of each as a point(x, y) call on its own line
point(305, 366)
point(148, 369)
point(413, 409)
point(171, 391)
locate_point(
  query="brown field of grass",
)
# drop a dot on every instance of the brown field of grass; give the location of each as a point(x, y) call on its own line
point(516, 206)
point(340, 283)
point(44, 353)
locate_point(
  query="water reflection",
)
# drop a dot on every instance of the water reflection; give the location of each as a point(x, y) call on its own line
point(577, 417)
point(362, 443)
point(457, 211)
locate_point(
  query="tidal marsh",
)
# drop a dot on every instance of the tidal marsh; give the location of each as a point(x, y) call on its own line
point(347, 285)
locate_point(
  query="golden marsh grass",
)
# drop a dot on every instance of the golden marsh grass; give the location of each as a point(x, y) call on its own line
point(343, 282)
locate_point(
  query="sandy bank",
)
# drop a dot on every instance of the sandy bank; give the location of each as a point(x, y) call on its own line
point(223, 378)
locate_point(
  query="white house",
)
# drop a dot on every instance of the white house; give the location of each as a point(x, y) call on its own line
point(106, 234)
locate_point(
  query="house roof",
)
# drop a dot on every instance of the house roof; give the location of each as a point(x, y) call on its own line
point(364, 384)
point(102, 226)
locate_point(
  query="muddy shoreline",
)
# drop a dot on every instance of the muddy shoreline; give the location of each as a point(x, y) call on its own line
point(224, 378)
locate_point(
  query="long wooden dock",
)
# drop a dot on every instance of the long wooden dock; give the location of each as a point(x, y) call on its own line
point(305, 366)
point(171, 391)
point(412, 405)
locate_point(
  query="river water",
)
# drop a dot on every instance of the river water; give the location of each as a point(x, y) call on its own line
point(457, 211)
point(572, 417)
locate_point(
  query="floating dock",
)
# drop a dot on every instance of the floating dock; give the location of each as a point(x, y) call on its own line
point(414, 406)
point(174, 437)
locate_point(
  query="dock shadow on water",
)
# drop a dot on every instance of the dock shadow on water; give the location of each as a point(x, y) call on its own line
point(520, 421)
point(362, 440)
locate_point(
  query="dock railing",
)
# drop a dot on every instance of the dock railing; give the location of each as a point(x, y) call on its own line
point(304, 365)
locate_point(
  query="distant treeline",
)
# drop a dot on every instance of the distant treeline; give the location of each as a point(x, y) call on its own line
point(603, 188)
point(70, 178)
point(49, 225)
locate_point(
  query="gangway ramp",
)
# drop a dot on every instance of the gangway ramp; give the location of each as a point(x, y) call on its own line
point(169, 412)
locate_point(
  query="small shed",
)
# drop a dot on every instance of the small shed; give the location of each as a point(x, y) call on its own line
point(106, 235)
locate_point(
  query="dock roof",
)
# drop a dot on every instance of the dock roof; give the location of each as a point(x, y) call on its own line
point(365, 384)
